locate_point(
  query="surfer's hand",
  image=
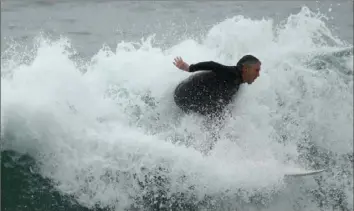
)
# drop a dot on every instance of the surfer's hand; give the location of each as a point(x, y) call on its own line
point(180, 64)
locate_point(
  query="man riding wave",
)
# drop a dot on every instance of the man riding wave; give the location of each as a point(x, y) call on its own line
point(210, 90)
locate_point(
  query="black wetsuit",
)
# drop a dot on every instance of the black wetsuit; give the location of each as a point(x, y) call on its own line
point(209, 91)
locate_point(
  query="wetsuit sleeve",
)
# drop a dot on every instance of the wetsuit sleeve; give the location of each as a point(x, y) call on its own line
point(210, 65)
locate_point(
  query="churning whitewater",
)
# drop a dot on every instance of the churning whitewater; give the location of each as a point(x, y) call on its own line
point(107, 133)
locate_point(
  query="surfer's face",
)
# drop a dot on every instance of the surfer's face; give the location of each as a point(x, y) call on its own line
point(251, 72)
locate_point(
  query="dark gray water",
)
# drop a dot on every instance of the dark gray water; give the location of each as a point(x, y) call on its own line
point(90, 24)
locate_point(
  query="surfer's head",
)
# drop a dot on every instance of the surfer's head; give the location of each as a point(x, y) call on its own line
point(250, 67)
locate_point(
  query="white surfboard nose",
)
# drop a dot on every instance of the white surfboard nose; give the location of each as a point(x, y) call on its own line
point(302, 172)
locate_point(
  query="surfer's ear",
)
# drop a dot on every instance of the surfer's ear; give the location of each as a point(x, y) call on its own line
point(245, 67)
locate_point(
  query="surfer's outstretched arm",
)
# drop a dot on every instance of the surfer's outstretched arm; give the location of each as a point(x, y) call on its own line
point(208, 65)
point(211, 65)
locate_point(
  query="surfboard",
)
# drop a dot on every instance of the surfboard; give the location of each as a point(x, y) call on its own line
point(302, 172)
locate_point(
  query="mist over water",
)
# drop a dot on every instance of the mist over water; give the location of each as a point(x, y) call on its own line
point(107, 132)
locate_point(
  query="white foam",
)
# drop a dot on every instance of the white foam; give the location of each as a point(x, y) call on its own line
point(83, 127)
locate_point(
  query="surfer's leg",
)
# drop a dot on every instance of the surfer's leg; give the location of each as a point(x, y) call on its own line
point(181, 98)
point(190, 98)
point(186, 99)
point(214, 123)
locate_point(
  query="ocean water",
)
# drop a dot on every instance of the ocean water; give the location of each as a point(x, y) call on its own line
point(88, 120)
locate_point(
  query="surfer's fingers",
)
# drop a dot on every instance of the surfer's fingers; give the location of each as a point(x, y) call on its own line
point(179, 62)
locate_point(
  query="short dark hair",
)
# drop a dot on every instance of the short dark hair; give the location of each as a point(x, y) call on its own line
point(247, 60)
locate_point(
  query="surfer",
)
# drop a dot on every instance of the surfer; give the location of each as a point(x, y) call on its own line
point(209, 91)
